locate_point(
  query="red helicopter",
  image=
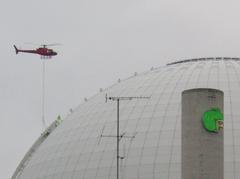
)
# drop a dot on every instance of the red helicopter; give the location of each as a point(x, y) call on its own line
point(43, 51)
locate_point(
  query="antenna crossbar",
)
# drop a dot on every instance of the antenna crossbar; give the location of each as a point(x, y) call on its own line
point(122, 98)
point(120, 136)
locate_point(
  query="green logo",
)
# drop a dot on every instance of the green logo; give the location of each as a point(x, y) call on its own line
point(213, 120)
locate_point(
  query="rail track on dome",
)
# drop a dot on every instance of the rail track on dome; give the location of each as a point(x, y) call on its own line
point(203, 59)
point(34, 148)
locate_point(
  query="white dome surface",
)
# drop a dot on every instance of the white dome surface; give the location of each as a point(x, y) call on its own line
point(75, 150)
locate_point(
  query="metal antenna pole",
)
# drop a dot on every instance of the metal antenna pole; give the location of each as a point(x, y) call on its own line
point(43, 95)
point(118, 136)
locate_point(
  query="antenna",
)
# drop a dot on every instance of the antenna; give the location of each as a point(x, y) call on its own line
point(118, 136)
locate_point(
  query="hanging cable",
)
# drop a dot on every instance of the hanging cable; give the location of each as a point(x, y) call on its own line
point(43, 95)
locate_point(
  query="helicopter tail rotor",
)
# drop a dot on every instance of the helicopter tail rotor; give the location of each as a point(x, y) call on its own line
point(16, 50)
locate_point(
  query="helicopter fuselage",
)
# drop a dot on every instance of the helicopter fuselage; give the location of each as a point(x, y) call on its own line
point(43, 51)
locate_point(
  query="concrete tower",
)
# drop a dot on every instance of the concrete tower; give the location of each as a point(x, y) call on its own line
point(202, 134)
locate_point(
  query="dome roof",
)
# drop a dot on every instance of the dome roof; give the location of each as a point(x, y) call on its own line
point(75, 149)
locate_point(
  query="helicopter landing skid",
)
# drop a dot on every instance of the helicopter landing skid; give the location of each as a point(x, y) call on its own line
point(45, 57)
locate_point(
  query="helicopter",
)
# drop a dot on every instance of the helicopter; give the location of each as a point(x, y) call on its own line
point(43, 51)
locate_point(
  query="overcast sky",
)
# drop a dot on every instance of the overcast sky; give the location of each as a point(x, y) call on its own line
point(103, 40)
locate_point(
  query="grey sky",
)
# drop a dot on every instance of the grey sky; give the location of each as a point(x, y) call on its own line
point(103, 40)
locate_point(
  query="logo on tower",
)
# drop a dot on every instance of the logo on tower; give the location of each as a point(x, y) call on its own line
point(213, 120)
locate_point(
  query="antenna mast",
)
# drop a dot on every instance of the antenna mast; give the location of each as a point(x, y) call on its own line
point(118, 136)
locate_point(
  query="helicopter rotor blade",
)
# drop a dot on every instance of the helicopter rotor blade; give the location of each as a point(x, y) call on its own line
point(47, 45)
point(30, 43)
point(43, 45)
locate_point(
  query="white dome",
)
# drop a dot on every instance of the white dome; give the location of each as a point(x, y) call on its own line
point(75, 150)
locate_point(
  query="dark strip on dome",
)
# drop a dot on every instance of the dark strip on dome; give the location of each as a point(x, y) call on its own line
point(204, 59)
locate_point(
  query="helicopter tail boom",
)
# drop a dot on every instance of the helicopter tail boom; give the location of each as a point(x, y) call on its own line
point(16, 50)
